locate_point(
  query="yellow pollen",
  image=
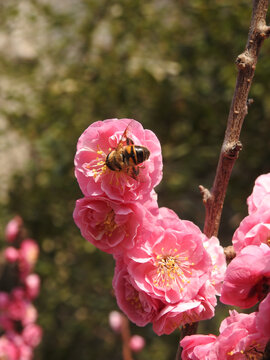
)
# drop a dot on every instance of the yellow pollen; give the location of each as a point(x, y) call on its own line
point(97, 166)
point(171, 269)
point(109, 223)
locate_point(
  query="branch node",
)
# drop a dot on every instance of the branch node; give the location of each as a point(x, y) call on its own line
point(250, 102)
point(206, 194)
point(264, 31)
point(229, 253)
point(232, 150)
point(244, 60)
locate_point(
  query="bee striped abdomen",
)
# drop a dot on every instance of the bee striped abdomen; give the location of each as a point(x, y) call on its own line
point(130, 155)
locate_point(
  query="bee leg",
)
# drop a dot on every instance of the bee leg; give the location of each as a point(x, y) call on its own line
point(135, 172)
point(129, 141)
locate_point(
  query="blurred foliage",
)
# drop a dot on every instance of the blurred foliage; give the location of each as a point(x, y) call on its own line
point(168, 64)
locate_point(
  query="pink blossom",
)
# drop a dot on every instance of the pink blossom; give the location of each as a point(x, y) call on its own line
point(136, 343)
point(219, 266)
point(93, 175)
point(260, 193)
point(254, 229)
point(202, 307)
point(170, 264)
point(238, 339)
point(109, 225)
point(11, 254)
point(247, 277)
point(196, 347)
point(263, 316)
point(32, 335)
point(168, 218)
point(32, 285)
point(13, 228)
point(115, 321)
point(136, 304)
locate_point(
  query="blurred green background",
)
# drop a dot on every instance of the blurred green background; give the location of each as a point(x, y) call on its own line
point(170, 65)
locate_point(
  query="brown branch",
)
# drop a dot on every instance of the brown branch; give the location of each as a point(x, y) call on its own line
point(125, 333)
point(186, 330)
point(246, 63)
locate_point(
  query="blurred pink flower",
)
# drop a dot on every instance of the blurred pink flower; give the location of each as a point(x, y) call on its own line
point(32, 335)
point(260, 193)
point(115, 321)
point(254, 229)
point(136, 343)
point(30, 315)
point(4, 300)
point(28, 255)
point(109, 225)
point(8, 351)
point(32, 285)
point(96, 179)
point(248, 277)
point(263, 317)
point(170, 264)
point(13, 228)
point(11, 254)
point(137, 305)
point(16, 309)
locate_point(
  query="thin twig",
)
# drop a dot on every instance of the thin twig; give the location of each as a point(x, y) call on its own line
point(125, 333)
point(246, 63)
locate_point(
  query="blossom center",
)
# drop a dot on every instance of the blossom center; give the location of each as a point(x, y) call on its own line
point(109, 224)
point(254, 352)
point(172, 269)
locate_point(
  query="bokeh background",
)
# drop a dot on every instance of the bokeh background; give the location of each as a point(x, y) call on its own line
point(167, 63)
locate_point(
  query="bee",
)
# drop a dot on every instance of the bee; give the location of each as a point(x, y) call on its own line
point(127, 156)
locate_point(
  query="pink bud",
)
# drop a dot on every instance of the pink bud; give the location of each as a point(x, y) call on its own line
point(11, 254)
point(115, 321)
point(13, 228)
point(32, 283)
point(136, 343)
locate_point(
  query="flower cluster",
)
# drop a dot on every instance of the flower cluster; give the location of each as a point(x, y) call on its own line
point(240, 338)
point(167, 271)
point(247, 279)
point(246, 283)
point(18, 315)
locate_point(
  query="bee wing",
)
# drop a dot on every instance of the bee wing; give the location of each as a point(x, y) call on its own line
point(125, 136)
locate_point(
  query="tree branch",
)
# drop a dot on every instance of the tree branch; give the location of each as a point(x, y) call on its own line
point(246, 64)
